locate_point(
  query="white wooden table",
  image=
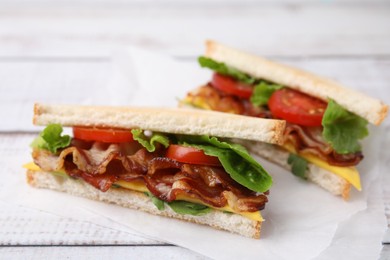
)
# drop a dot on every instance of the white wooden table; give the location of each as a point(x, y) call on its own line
point(68, 43)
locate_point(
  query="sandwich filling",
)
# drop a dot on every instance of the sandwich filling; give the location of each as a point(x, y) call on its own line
point(201, 171)
point(318, 131)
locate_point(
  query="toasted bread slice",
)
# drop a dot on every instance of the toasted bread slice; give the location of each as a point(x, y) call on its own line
point(175, 121)
point(373, 110)
point(234, 223)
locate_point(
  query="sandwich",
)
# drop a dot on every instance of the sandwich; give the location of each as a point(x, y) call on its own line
point(176, 163)
point(325, 120)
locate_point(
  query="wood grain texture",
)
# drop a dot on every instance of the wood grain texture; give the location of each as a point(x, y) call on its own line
point(66, 45)
point(101, 252)
point(48, 76)
point(53, 80)
point(49, 82)
point(28, 227)
point(386, 184)
point(93, 31)
point(183, 2)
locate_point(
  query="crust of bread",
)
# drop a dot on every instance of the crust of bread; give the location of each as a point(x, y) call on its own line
point(169, 120)
point(373, 110)
point(234, 223)
point(323, 178)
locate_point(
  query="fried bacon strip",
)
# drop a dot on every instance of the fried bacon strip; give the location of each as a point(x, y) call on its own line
point(310, 140)
point(101, 165)
point(217, 100)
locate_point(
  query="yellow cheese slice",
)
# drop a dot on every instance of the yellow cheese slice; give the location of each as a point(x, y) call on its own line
point(350, 174)
point(136, 185)
point(251, 215)
point(31, 166)
point(141, 187)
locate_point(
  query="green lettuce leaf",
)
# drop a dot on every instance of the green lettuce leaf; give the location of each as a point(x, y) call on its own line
point(156, 201)
point(180, 206)
point(343, 129)
point(298, 165)
point(51, 139)
point(223, 69)
point(262, 92)
point(185, 207)
point(235, 159)
point(150, 142)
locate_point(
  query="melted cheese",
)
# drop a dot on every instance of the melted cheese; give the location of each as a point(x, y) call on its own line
point(135, 185)
point(31, 166)
point(141, 187)
point(350, 174)
point(197, 102)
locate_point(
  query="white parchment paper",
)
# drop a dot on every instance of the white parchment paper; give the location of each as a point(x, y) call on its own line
point(302, 220)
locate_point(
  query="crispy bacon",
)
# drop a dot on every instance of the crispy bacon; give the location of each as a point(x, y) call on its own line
point(101, 165)
point(102, 181)
point(217, 100)
point(310, 140)
point(345, 159)
point(305, 139)
point(167, 179)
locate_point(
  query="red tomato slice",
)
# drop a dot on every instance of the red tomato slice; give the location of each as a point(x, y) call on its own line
point(231, 86)
point(103, 135)
point(191, 155)
point(296, 107)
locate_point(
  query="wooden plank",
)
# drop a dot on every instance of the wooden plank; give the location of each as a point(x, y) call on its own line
point(23, 3)
point(55, 80)
point(361, 29)
point(49, 76)
point(367, 74)
point(23, 227)
point(386, 184)
point(49, 82)
point(101, 252)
